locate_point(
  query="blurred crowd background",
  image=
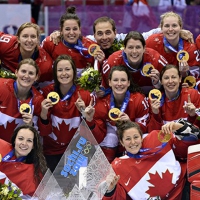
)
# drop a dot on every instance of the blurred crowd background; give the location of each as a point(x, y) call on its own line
point(140, 15)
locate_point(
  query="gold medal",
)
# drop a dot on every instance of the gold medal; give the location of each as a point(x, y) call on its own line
point(162, 137)
point(25, 108)
point(114, 114)
point(54, 97)
point(191, 81)
point(146, 70)
point(0, 158)
point(93, 48)
point(182, 56)
point(155, 94)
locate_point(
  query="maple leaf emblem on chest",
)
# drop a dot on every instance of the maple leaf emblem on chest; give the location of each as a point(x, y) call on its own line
point(160, 185)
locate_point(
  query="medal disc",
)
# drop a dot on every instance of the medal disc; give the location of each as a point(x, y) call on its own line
point(0, 158)
point(114, 114)
point(162, 137)
point(182, 56)
point(155, 94)
point(191, 81)
point(146, 70)
point(25, 108)
point(93, 48)
point(54, 97)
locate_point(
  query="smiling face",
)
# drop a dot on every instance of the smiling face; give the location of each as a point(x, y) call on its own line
point(71, 31)
point(65, 73)
point(119, 83)
point(131, 140)
point(134, 51)
point(171, 28)
point(26, 76)
point(23, 142)
point(104, 34)
point(171, 82)
point(28, 39)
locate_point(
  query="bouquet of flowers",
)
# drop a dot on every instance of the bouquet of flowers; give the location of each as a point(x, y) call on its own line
point(9, 192)
point(117, 45)
point(90, 79)
point(6, 74)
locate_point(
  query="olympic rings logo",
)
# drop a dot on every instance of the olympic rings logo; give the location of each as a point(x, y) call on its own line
point(86, 148)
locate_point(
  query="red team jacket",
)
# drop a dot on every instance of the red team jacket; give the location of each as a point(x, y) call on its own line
point(80, 61)
point(64, 120)
point(20, 173)
point(155, 41)
point(137, 110)
point(159, 174)
point(150, 56)
point(10, 117)
point(10, 52)
point(173, 110)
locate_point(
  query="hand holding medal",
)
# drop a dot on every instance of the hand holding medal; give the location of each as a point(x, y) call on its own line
point(191, 81)
point(93, 48)
point(164, 137)
point(25, 108)
point(182, 56)
point(114, 114)
point(155, 94)
point(54, 97)
point(146, 70)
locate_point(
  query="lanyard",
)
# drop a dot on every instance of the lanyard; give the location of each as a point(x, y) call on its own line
point(18, 101)
point(169, 46)
point(124, 56)
point(124, 104)
point(7, 157)
point(146, 150)
point(78, 47)
point(69, 93)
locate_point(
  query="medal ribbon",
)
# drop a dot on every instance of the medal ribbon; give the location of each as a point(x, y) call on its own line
point(146, 150)
point(18, 101)
point(162, 100)
point(124, 104)
point(7, 157)
point(69, 93)
point(78, 47)
point(126, 61)
point(169, 46)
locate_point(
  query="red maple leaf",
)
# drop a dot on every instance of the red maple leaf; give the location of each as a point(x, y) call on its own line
point(161, 185)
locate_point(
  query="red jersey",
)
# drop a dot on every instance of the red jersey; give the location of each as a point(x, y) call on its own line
point(150, 56)
point(137, 110)
point(10, 117)
point(155, 41)
point(198, 41)
point(173, 110)
point(10, 57)
point(63, 123)
point(81, 62)
point(157, 174)
point(21, 174)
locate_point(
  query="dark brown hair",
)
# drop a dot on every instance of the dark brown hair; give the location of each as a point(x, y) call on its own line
point(36, 156)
